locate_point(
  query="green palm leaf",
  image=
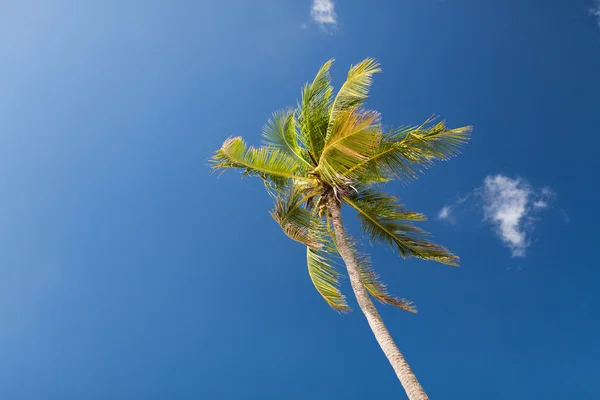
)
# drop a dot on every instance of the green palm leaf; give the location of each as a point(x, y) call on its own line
point(354, 138)
point(407, 152)
point(305, 227)
point(355, 89)
point(371, 281)
point(280, 133)
point(434, 143)
point(298, 223)
point(325, 277)
point(378, 289)
point(266, 162)
point(382, 220)
point(313, 112)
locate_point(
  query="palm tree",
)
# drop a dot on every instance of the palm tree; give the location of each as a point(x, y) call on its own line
point(330, 151)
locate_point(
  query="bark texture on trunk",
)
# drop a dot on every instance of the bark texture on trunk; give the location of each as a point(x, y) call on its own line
point(386, 342)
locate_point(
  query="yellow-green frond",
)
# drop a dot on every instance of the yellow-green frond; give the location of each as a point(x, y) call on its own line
point(384, 205)
point(378, 289)
point(325, 278)
point(280, 132)
point(309, 229)
point(313, 112)
point(407, 152)
point(387, 161)
point(436, 142)
point(354, 138)
point(265, 162)
point(371, 282)
point(298, 223)
point(355, 89)
point(383, 222)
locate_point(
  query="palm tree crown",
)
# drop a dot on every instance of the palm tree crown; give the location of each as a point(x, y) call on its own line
point(330, 147)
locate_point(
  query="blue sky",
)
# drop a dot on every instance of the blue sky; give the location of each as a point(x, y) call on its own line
point(128, 271)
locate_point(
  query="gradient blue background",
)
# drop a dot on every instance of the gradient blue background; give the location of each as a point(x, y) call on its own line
point(128, 271)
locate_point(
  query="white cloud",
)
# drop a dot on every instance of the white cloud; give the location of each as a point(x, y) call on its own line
point(540, 204)
point(505, 206)
point(323, 13)
point(541, 199)
point(508, 205)
point(445, 212)
point(595, 11)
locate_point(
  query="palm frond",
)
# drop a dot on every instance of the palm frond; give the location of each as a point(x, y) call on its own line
point(280, 132)
point(307, 228)
point(354, 138)
point(313, 112)
point(378, 289)
point(265, 162)
point(406, 152)
point(326, 278)
point(355, 89)
point(436, 142)
point(384, 205)
point(371, 281)
point(383, 221)
point(387, 161)
point(297, 223)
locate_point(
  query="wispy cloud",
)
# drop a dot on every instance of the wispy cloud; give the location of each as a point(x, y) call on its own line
point(323, 13)
point(445, 212)
point(540, 204)
point(566, 217)
point(508, 205)
point(595, 11)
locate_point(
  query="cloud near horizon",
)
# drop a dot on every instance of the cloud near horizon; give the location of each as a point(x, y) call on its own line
point(323, 13)
point(507, 206)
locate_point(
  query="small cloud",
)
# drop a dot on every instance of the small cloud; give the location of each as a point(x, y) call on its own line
point(595, 11)
point(542, 199)
point(445, 212)
point(508, 205)
point(323, 13)
point(505, 206)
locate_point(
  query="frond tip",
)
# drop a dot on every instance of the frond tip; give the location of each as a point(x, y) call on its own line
point(356, 88)
point(326, 279)
point(378, 290)
point(265, 162)
point(313, 112)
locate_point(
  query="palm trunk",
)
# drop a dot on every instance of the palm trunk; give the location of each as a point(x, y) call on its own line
point(386, 342)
